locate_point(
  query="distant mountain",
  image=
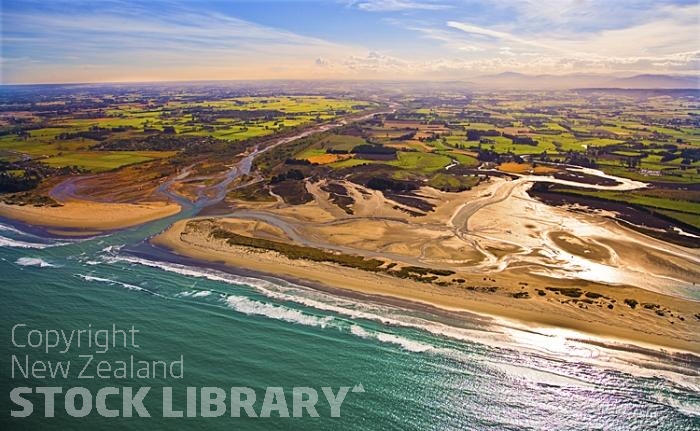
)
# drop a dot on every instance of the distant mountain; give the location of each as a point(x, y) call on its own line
point(656, 81)
point(515, 80)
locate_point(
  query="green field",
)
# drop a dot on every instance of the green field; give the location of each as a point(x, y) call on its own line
point(423, 162)
point(100, 161)
point(125, 121)
point(685, 211)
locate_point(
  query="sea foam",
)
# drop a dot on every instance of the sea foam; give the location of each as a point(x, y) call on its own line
point(9, 242)
point(250, 307)
point(491, 336)
point(117, 283)
point(403, 342)
point(7, 228)
point(34, 261)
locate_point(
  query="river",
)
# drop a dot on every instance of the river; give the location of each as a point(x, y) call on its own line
point(418, 371)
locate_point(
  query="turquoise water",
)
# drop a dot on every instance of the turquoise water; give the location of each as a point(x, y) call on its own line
point(234, 331)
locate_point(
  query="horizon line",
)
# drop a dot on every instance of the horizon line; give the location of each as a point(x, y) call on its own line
point(357, 80)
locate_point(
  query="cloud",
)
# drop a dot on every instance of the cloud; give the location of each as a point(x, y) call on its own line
point(500, 35)
point(376, 63)
point(664, 39)
point(410, 39)
point(397, 5)
point(131, 44)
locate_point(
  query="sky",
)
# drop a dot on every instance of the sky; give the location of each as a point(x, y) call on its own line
point(45, 41)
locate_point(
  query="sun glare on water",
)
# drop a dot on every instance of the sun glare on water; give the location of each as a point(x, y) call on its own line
point(555, 341)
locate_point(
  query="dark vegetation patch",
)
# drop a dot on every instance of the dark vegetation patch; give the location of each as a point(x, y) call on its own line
point(252, 193)
point(399, 190)
point(482, 289)
point(411, 201)
point(374, 152)
point(573, 292)
point(644, 219)
point(187, 145)
point(408, 211)
point(25, 175)
point(339, 196)
point(292, 192)
point(292, 174)
point(95, 133)
point(292, 251)
point(384, 184)
point(632, 303)
point(211, 115)
point(36, 200)
point(584, 178)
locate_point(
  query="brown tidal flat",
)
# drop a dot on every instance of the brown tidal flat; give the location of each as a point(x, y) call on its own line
point(622, 314)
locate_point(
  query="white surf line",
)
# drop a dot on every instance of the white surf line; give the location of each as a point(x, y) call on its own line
point(509, 335)
point(118, 283)
point(14, 243)
point(34, 261)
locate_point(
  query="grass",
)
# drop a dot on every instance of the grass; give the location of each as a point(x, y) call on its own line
point(689, 219)
point(452, 183)
point(620, 171)
point(463, 159)
point(423, 162)
point(42, 143)
point(408, 160)
point(350, 163)
point(342, 142)
point(100, 161)
point(647, 201)
point(682, 210)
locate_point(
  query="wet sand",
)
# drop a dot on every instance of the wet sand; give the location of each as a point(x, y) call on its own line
point(77, 215)
point(639, 326)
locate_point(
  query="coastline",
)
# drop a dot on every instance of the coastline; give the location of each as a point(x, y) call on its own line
point(76, 216)
point(620, 327)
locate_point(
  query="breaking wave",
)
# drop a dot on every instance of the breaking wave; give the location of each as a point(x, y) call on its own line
point(278, 312)
point(403, 342)
point(10, 242)
point(117, 283)
point(34, 261)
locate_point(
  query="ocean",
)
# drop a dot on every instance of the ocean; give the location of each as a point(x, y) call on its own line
point(407, 370)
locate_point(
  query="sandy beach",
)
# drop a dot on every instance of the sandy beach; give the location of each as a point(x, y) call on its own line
point(678, 330)
point(78, 215)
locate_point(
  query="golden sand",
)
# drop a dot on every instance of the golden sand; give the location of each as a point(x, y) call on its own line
point(89, 216)
point(622, 323)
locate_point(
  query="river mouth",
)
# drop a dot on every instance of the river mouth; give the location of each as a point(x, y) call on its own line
point(121, 276)
point(500, 228)
point(588, 245)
